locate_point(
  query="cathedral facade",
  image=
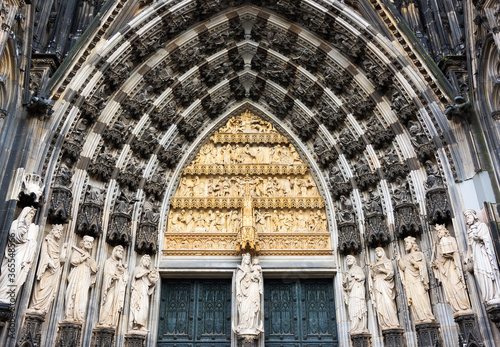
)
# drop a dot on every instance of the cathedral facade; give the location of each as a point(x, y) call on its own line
point(293, 173)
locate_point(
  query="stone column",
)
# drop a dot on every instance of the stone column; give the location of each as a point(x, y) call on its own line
point(361, 340)
point(103, 337)
point(469, 333)
point(394, 337)
point(30, 333)
point(135, 339)
point(428, 335)
point(69, 334)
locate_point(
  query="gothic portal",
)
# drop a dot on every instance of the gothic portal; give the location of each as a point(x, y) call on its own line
point(198, 173)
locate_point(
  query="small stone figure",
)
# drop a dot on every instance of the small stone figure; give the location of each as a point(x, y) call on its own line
point(49, 270)
point(80, 279)
point(143, 285)
point(481, 255)
point(382, 273)
point(21, 248)
point(354, 296)
point(416, 281)
point(249, 291)
point(113, 288)
point(448, 270)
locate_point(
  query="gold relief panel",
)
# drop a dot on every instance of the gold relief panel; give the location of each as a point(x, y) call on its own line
point(247, 190)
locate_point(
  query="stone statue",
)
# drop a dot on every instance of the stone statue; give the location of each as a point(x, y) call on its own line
point(80, 279)
point(416, 281)
point(481, 255)
point(20, 250)
point(143, 285)
point(448, 270)
point(354, 296)
point(49, 270)
point(382, 274)
point(113, 288)
point(249, 292)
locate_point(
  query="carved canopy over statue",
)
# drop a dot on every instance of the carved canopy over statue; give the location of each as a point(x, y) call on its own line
point(249, 292)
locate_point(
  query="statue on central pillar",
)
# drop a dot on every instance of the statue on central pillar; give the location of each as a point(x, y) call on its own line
point(249, 293)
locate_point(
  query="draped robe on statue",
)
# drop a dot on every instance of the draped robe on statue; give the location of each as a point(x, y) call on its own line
point(248, 291)
point(20, 251)
point(114, 284)
point(354, 286)
point(448, 271)
point(383, 283)
point(485, 264)
point(47, 275)
point(416, 283)
point(80, 279)
point(142, 288)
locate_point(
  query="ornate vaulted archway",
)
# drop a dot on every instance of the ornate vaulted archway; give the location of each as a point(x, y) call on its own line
point(132, 110)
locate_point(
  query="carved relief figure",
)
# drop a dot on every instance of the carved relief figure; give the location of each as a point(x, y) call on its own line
point(382, 273)
point(416, 281)
point(113, 288)
point(49, 270)
point(448, 270)
point(249, 291)
point(354, 296)
point(80, 279)
point(481, 255)
point(21, 248)
point(143, 285)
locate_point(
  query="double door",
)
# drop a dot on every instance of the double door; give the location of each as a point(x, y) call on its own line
point(299, 313)
point(195, 313)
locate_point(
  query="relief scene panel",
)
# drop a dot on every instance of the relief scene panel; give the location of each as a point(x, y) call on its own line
point(247, 187)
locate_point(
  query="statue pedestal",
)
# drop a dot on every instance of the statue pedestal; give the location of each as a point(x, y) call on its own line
point(394, 337)
point(428, 335)
point(494, 313)
point(103, 337)
point(469, 333)
point(6, 312)
point(30, 333)
point(69, 334)
point(248, 340)
point(361, 340)
point(135, 338)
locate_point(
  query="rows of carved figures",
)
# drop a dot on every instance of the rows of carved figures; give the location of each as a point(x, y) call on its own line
point(245, 154)
point(445, 262)
point(229, 221)
point(233, 186)
point(19, 259)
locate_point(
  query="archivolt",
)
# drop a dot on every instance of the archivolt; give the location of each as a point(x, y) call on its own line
point(350, 97)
